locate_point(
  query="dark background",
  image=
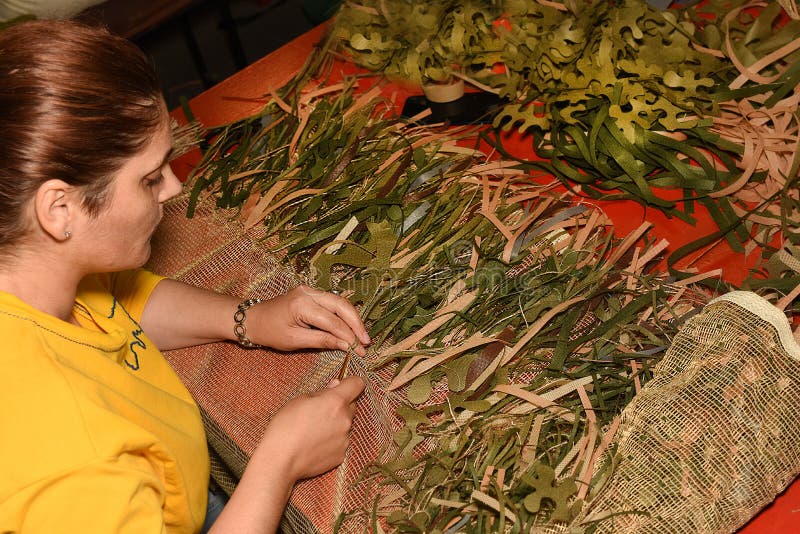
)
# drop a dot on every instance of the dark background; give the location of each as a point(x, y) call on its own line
point(260, 26)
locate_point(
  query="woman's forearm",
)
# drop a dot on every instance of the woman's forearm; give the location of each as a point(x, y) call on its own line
point(257, 504)
point(178, 315)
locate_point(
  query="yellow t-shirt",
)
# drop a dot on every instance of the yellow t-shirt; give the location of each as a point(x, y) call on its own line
point(97, 432)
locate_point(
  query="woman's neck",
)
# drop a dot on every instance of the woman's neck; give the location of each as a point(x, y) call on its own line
point(47, 284)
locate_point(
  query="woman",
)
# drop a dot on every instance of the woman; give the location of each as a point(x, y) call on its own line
point(97, 434)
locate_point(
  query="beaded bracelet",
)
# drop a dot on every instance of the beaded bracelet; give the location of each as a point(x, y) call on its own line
point(239, 328)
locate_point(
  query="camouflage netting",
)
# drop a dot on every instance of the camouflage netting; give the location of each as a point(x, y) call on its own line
point(712, 438)
point(706, 444)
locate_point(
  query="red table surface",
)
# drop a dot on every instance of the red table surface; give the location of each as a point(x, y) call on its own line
point(244, 93)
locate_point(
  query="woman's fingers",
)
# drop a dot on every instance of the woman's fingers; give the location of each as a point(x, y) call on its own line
point(320, 338)
point(350, 388)
point(308, 318)
point(348, 313)
point(311, 432)
point(337, 316)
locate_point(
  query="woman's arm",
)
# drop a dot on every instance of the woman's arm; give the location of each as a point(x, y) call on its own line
point(178, 315)
point(310, 434)
point(307, 437)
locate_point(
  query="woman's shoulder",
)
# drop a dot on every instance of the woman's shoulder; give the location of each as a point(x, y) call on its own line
point(26, 332)
point(122, 285)
point(131, 289)
point(41, 417)
point(54, 415)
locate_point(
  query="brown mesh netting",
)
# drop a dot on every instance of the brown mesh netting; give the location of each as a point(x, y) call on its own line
point(240, 389)
point(712, 438)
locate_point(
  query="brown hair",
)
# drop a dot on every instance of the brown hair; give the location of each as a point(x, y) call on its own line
point(75, 103)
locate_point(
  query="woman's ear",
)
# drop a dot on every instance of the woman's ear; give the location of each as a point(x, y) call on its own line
point(56, 206)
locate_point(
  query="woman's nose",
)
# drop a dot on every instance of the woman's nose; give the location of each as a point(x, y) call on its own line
point(171, 186)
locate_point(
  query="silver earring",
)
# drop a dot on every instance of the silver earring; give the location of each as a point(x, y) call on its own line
point(67, 234)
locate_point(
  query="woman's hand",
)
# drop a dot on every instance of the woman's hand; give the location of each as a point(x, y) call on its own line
point(307, 437)
point(311, 432)
point(306, 318)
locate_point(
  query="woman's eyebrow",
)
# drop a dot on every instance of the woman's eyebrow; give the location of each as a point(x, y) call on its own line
point(164, 160)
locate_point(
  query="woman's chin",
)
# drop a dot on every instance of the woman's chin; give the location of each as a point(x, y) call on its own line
point(141, 257)
point(146, 253)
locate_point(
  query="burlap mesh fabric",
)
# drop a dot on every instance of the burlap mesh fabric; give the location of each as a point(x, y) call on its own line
point(713, 437)
point(240, 389)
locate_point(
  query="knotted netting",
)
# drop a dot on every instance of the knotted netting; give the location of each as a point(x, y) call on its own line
point(712, 438)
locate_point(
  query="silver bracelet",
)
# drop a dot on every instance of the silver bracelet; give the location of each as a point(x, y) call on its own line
point(239, 328)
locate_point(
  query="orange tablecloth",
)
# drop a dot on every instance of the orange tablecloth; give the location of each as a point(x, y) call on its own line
point(243, 94)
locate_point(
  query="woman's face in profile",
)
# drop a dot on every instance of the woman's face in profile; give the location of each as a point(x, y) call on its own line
point(118, 237)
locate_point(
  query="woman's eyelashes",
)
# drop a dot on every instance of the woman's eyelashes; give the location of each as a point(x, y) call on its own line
point(154, 181)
